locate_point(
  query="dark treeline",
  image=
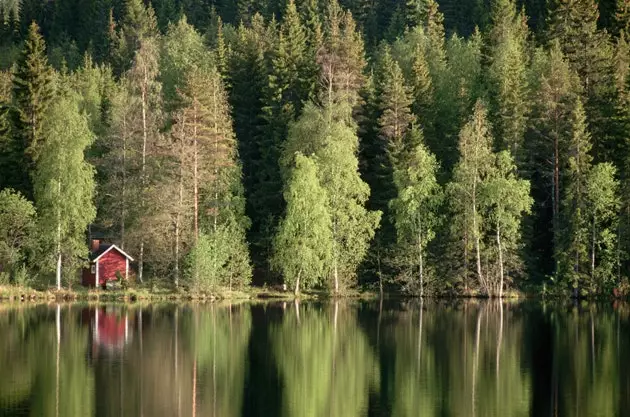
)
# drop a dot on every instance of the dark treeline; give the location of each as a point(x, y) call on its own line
point(452, 148)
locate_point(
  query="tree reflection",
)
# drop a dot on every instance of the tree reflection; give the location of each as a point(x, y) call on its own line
point(325, 362)
point(334, 359)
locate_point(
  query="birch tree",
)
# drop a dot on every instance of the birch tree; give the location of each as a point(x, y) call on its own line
point(415, 207)
point(475, 161)
point(64, 187)
point(303, 244)
point(506, 199)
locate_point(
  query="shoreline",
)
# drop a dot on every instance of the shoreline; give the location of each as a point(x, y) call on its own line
point(134, 295)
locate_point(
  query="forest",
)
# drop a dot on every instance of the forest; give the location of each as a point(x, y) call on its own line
point(477, 147)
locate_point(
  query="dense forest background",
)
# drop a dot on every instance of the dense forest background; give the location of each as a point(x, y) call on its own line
point(465, 147)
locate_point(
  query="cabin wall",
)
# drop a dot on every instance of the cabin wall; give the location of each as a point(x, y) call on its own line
point(111, 262)
point(87, 277)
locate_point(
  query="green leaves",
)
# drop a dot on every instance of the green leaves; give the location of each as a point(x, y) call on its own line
point(303, 244)
point(64, 184)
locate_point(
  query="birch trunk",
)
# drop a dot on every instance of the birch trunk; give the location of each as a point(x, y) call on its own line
point(420, 260)
point(297, 284)
point(593, 251)
point(500, 260)
point(143, 168)
point(476, 232)
point(58, 273)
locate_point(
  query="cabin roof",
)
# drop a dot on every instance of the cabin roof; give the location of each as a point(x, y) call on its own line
point(103, 248)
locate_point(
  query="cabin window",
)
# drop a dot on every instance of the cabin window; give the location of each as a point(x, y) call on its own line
point(93, 269)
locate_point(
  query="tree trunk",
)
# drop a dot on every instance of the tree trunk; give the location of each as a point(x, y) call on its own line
point(420, 261)
point(196, 179)
point(58, 274)
point(335, 256)
point(144, 169)
point(380, 273)
point(556, 195)
point(177, 226)
point(593, 252)
point(476, 232)
point(500, 260)
point(123, 197)
point(297, 284)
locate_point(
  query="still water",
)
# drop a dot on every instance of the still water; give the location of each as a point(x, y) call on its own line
point(333, 359)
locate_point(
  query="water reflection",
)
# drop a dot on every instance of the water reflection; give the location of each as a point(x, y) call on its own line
point(329, 359)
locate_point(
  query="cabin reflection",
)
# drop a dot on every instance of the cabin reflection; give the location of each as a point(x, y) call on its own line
point(110, 329)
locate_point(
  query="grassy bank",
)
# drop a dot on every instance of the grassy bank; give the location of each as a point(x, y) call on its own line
point(26, 294)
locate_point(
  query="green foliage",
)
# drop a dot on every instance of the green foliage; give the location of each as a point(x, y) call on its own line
point(415, 208)
point(325, 133)
point(303, 244)
point(33, 89)
point(17, 231)
point(218, 260)
point(64, 185)
point(602, 205)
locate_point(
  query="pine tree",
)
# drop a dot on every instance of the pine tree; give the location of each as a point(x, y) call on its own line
point(146, 119)
point(290, 82)
point(64, 186)
point(210, 165)
point(415, 207)
point(33, 90)
point(303, 244)
point(341, 58)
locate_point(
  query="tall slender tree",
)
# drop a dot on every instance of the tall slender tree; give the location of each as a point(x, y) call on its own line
point(415, 206)
point(33, 90)
point(64, 187)
point(303, 244)
point(476, 158)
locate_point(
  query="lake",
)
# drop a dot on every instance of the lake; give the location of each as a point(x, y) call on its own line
point(345, 359)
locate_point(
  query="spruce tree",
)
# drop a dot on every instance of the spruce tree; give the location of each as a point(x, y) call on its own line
point(394, 122)
point(508, 75)
point(551, 131)
point(573, 23)
point(33, 90)
point(248, 80)
point(303, 244)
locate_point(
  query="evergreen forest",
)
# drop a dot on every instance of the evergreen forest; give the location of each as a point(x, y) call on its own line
point(449, 147)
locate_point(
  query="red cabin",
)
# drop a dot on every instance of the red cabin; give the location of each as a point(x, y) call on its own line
point(106, 260)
